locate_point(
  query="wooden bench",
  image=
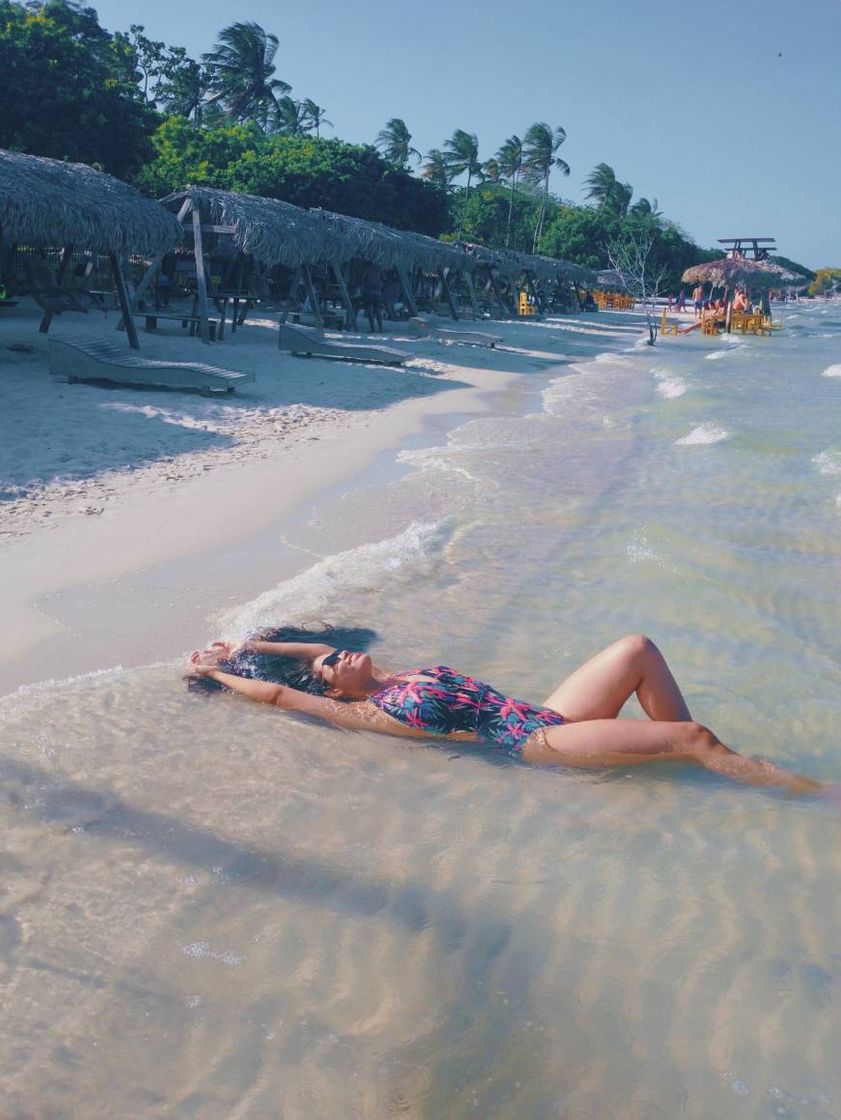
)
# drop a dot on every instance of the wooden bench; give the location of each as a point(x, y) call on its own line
point(186, 320)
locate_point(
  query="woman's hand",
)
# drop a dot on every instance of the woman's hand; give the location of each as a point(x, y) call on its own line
point(204, 661)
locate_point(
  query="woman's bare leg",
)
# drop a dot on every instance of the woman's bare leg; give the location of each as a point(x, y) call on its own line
point(630, 742)
point(600, 688)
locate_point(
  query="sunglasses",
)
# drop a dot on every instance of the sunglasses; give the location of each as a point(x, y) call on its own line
point(332, 658)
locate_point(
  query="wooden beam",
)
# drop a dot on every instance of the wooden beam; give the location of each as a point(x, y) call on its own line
point(63, 262)
point(347, 302)
point(499, 296)
point(125, 303)
point(210, 227)
point(308, 284)
point(534, 293)
point(408, 294)
point(201, 279)
point(148, 276)
point(468, 279)
point(442, 272)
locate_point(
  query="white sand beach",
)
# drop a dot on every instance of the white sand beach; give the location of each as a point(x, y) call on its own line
point(99, 483)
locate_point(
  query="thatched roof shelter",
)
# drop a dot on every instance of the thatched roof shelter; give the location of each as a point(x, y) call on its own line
point(727, 272)
point(47, 202)
point(271, 231)
point(276, 232)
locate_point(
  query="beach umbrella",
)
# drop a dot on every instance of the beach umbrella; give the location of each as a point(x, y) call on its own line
point(730, 272)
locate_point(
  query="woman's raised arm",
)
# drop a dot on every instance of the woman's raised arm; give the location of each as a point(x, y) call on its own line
point(302, 651)
point(282, 696)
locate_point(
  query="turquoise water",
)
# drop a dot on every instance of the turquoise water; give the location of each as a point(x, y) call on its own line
point(215, 910)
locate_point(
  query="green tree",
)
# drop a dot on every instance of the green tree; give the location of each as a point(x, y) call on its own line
point(314, 116)
point(242, 68)
point(510, 160)
point(462, 155)
point(826, 280)
point(395, 142)
point(643, 208)
point(288, 117)
point(490, 220)
point(305, 170)
point(435, 168)
point(605, 189)
point(539, 157)
point(69, 89)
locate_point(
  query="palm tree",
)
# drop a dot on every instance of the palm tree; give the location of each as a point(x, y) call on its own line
point(602, 184)
point(462, 155)
point(288, 117)
point(183, 91)
point(642, 208)
point(242, 66)
point(491, 171)
point(435, 168)
point(395, 142)
point(612, 196)
point(314, 116)
point(510, 158)
point(539, 158)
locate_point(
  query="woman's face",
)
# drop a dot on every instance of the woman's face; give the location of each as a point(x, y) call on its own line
point(350, 673)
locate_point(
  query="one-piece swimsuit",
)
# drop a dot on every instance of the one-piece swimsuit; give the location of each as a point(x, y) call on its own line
point(444, 701)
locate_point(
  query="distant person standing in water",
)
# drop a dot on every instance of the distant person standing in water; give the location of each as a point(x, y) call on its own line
point(698, 300)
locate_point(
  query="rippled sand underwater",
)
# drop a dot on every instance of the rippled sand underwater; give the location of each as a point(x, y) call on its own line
point(215, 910)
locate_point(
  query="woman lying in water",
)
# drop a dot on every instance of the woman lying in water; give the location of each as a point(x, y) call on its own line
point(578, 725)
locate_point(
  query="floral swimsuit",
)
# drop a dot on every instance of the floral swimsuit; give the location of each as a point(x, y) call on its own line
point(447, 701)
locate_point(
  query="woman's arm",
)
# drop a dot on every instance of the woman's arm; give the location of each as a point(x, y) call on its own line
point(302, 651)
point(290, 699)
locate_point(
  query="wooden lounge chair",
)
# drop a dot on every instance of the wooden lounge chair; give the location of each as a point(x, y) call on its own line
point(667, 326)
point(310, 342)
point(87, 358)
point(421, 328)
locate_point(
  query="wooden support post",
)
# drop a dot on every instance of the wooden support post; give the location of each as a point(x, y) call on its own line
point(201, 279)
point(408, 294)
point(146, 282)
point(125, 303)
point(442, 272)
point(538, 302)
point(63, 262)
point(499, 296)
point(347, 302)
point(313, 298)
point(468, 279)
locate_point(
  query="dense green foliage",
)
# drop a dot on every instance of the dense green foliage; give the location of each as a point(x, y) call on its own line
point(69, 89)
point(825, 280)
point(144, 110)
point(305, 170)
point(582, 234)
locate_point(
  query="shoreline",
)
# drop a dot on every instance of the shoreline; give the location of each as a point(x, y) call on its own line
point(125, 582)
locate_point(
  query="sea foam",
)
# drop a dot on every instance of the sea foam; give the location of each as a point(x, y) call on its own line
point(828, 462)
point(669, 385)
point(326, 586)
point(704, 434)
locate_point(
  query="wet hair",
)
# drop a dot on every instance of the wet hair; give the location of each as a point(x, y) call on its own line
point(289, 670)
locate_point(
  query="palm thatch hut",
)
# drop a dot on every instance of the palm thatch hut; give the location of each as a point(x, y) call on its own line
point(272, 232)
point(736, 271)
point(47, 203)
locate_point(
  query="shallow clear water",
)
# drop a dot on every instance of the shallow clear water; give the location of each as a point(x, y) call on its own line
point(215, 910)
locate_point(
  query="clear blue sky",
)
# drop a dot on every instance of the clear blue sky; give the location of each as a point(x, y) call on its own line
point(729, 113)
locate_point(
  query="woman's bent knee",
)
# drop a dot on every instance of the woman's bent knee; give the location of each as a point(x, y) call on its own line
point(697, 740)
point(637, 647)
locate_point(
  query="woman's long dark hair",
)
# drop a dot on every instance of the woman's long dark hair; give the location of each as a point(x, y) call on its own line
point(288, 670)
